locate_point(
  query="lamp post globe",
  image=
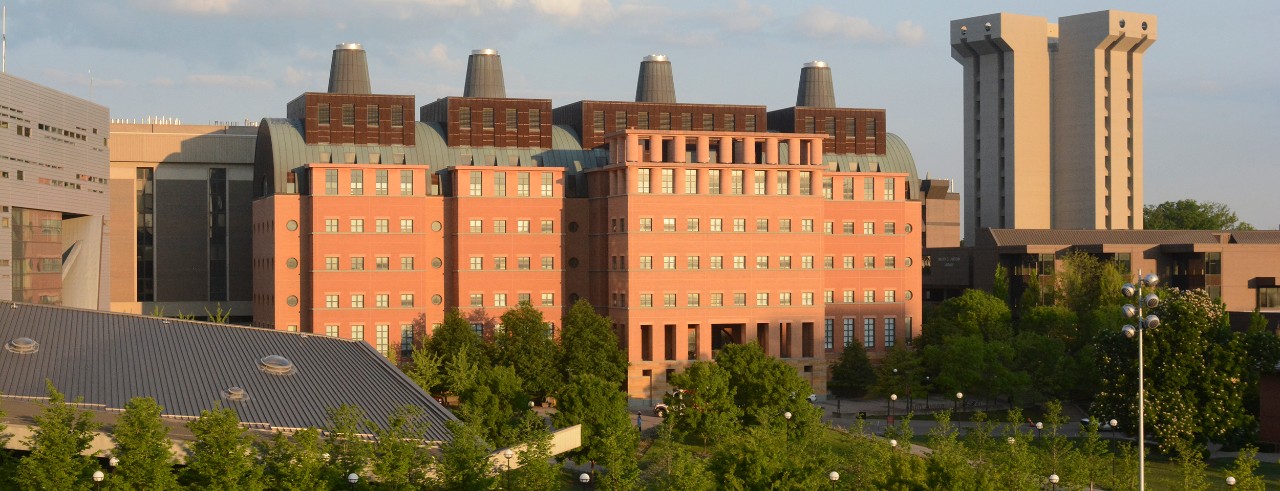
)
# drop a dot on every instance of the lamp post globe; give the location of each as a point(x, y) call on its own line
point(833, 476)
point(893, 443)
point(1011, 440)
point(1053, 480)
point(352, 479)
point(113, 461)
point(98, 476)
point(584, 478)
point(1231, 481)
point(1150, 321)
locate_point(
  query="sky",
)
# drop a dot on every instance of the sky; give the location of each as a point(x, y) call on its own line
point(1212, 98)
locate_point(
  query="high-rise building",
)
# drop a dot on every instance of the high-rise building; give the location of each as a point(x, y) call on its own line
point(1053, 119)
point(53, 197)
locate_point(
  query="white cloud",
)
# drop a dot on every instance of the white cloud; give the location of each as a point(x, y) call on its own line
point(296, 78)
point(162, 82)
point(824, 23)
point(217, 7)
point(228, 81)
point(910, 33)
point(60, 77)
point(570, 11)
point(746, 17)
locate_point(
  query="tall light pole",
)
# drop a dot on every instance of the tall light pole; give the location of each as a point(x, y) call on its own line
point(1150, 301)
point(892, 397)
point(833, 476)
point(959, 397)
point(508, 454)
point(1053, 479)
point(583, 479)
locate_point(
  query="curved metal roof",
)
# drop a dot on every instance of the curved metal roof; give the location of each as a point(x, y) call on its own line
point(897, 158)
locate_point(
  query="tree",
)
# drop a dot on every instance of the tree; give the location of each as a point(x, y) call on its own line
point(958, 362)
point(673, 466)
point(142, 445)
point(765, 387)
point(425, 368)
point(597, 405)
point(1087, 283)
point(1244, 470)
point(589, 345)
point(1189, 214)
point(297, 463)
point(455, 335)
point(1000, 286)
point(526, 345)
point(494, 403)
point(1191, 465)
point(537, 470)
point(899, 374)
point(974, 312)
point(851, 374)
point(948, 466)
point(462, 370)
point(60, 434)
point(464, 460)
point(762, 457)
point(222, 456)
point(399, 459)
point(703, 403)
point(349, 452)
point(622, 471)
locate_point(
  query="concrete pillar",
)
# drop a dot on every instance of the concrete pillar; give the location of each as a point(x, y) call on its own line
point(771, 151)
point(815, 151)
point(677, 146)
point(633, 148)
point(655, 148)
point(726, 150)
point(703, 153)
point(748, 150)
point(793, 150)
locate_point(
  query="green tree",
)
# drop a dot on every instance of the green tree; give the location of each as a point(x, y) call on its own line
point(673, 466)
point(899, 374)
point(1000, 286)
point(1044, 360)
point(143, 447)
point(762, 457)
point(60, 434)
point(462, 370)
point(765, 388)
point(1092, 461)
point(6, 464)
point(526, 345)
point(597, 405)
point(454, 335)
point(703, 405)
point(973, 313)
point(958, 362)
point(399, 459)
point(425, 368)
point(1245, 468)
point(494, 404)
point(851, 374)
point(464, 460)
point(222, 456)
point(295, 463)
point(948, 466)
point(537, 471)
point(618, 457)
point(1191, 466)
point(589, 345)
point(1088, 283)
point(1189, 214)
point(349, 452)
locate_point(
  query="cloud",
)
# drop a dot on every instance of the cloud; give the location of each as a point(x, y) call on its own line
point(199, 7)
point(296, 78)
point(910, 33)
point(60, 77)
point(224, 81)
point(746, 17)
point(572, 11)
point(823, 23)
point(162, 82)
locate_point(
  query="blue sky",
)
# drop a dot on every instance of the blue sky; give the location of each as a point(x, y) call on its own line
point(1212, 79)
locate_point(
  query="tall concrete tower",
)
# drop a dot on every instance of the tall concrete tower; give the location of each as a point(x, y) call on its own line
point(1052, 128)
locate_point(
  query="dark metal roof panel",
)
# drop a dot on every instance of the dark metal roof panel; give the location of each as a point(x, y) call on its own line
point(897, 158)
point(108, 358)
point(1005, 237)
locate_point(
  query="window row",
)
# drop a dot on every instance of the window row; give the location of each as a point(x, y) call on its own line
point(501, 299)
point(475, 180)
point(762, 299)
point(357, 301)
point(758, 182)
point(476, 226)
point(848, 329)
point(499, 263)
point(348, 114)
point(357, 225)
point(381, 182)
point(357, 263)
point(694, 262)
point(694, 224)
point(382, 334)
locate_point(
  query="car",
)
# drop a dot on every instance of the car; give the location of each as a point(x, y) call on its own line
point(1101, 425)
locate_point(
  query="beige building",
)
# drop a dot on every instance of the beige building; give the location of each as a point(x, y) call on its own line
point(1053, 119)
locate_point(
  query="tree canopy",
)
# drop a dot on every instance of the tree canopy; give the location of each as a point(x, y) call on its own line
point(1189, 214)
point(588, 345)
point(143, 447)
point(60, 434)
point(526, 345)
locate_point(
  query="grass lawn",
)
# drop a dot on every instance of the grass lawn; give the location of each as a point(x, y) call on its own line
point(1163, 474)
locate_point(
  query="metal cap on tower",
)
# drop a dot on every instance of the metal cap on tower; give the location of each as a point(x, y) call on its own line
point(656, 83)
point(484, 75)
point(349, 71)
point(816, 89)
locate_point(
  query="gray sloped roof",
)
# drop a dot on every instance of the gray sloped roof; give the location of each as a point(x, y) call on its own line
point(1020, 237)
point(108, 358)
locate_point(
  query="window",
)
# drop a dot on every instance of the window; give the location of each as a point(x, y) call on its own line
point(762, 262)
point(597, 121)
point(547, 189)
point(500, 263)
point(380, 225)
point(357, 332)
point(499, 226)
point(646, 224)
point(406, 225)
point(739, 262)
point(357, 182)
point(331, 225)
point(740, 299)
point(668, 262)
point(331, 263)
point(784, 182)
point(735, 182)
point(739, 224)
point(331, 330)
point(322, 112)
point(717, 262)
point(523, 263)
point(784, 225)
point(548, 227)
point(869, 296)
point(848, 228)
point(486, 118)
point(848, 331)
point(357, 263)
point(477, 299)
point(646, 299)
point(693, 300)
point(357, 301)
point(848, 262)
point(806, 225)
point(806, 183)
point(522, 184)
point(668, 300)
point(406, 263)
point(357, 225)
point(713, 181)
point(397, 116)
point(784, 299)
point(406, 299)
point(691, 225)
point(888, 195)
point(693, 262)
point(848, 296)
point(868, 332)
point(829, 296)
point(827, 187)
point(477, 263)
point(380, 182)
point(868, 188)
point(829, 328)
point(477, 226)
point(806, 262)
point(691, 181)
point(668, 225)
point(758, 181)
point(784, 262)
point(890, 228)
point(522, 226)
point(890, 296)
point(868, 228)
point(548, 299)
point(646, 262)
point(890, 326)
point(762, 299)
point(890, 262)
point(1268, 297)
point(382, 263)
point(829, 262)
point(477, 183)
point(869, 262)
point(828, 228)
point(846, 189)
point(668, 181)
point(499, 183)
point(348, 115)
point(499, 300)
point(717, 224)
point(762, 225)
point(717, 299)
point(642, 181)
point(330, 301)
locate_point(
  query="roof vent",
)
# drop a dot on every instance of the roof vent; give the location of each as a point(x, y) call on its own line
point(23, 346)
point(816, 89)
point(235, 394)
point(276, 365)
point(656, 83)
point(484, 75)
point(349, 70)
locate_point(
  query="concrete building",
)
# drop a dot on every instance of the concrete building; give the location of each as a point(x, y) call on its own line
point(53, 197)
point(689, 225)
point(181, 206)
point(1053, 119)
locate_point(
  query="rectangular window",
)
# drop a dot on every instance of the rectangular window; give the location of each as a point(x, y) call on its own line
point(784, 262)
point(477, 183)
point(868, 228)
point(331, 330)
point(348, 115)
point(693, 262)
point(735, 182)
point(646, 224)
point(406, 225)
point(477, 226)
point(406, 263)
point(548, 299)
point(548, 263)
point(717, 299)
point(477, 299)
point(691, 181)
point(868, 188)
point(784, 182)
point(381, 225)
point(784, 299)
point(828, 228)
point(890, 328)
point(889, 189)
point(740, 299)
point(486, 118)
point(522, 184)
point(829, 262)
point(717, 225)
point(713, 181)
point(762, 262)
point(597, 121)
point(464, 118)
point(691, 225)
point(547, 180)
point(668, 225)
point(357, 301)
point(829, 296)
point(357, 332)
point(829, 334)
point(499, 183)
point(717, 262)
point(382, 263)
point(331, 225)
point(477, 263)
point(646, 343)
point(642, 181)
point(668, 181)
point(890, 296)
point(806, 262)
point(646, 262)
point(357, 225)
point(890, 228)
point(806, 183)
point(827, 188)
point(693, 300)
point(382, 300)
point(646, 299)
point(500, 263)
point(522, 226)
point(406, 299)
point(869, 262)
point(871, 127)
point(330, 301)
point(380, 183)
point(499, 226)
point(619, 120)
point(535, 121)
point(784, 225)
point(758, 181)
point(739, 262)
point(848, 262)
point(397, 116)
point(848, 296)
point(868, 296)
point(668, 300)
point(668, 262)
point(322, 113)
point(499, 300)
point(523, 263)
point(762, 225)
point(848, 331)
point(762, 299)
point(548, 227)
point(642, 120)
point(739, 224)
point(357, 182)
point(890, 262)
point(846, 189)
point(331, 181)
point(806, 225)
point(406, 183)
point(357, 263)
point(868, 332)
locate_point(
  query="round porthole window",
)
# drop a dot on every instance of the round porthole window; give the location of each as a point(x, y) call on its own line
point(908, 295)
point(436, 300)
point(907, 261)
point(292, 301)
point(291, 225)
point(573, 226)
point(291, 263)
point(907, 228)
point(1121, 22)
point(573, 262)
point(435, 226)
point(1144, 26)
point(436, 263)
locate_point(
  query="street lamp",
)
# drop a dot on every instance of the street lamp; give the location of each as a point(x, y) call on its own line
point(893, 443)
point(584, 478)
point(98, 476)
point(1039, 426)
point(926, 392)
point(352, 479)
point(787, 416)
point(959, 398)
point(1053, 479)
point(1011, 441)
point(1231, 481)
point(892, 397)
point(833, 476)
point(508, 454)
point(1113, 424)
point(1149, 301)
